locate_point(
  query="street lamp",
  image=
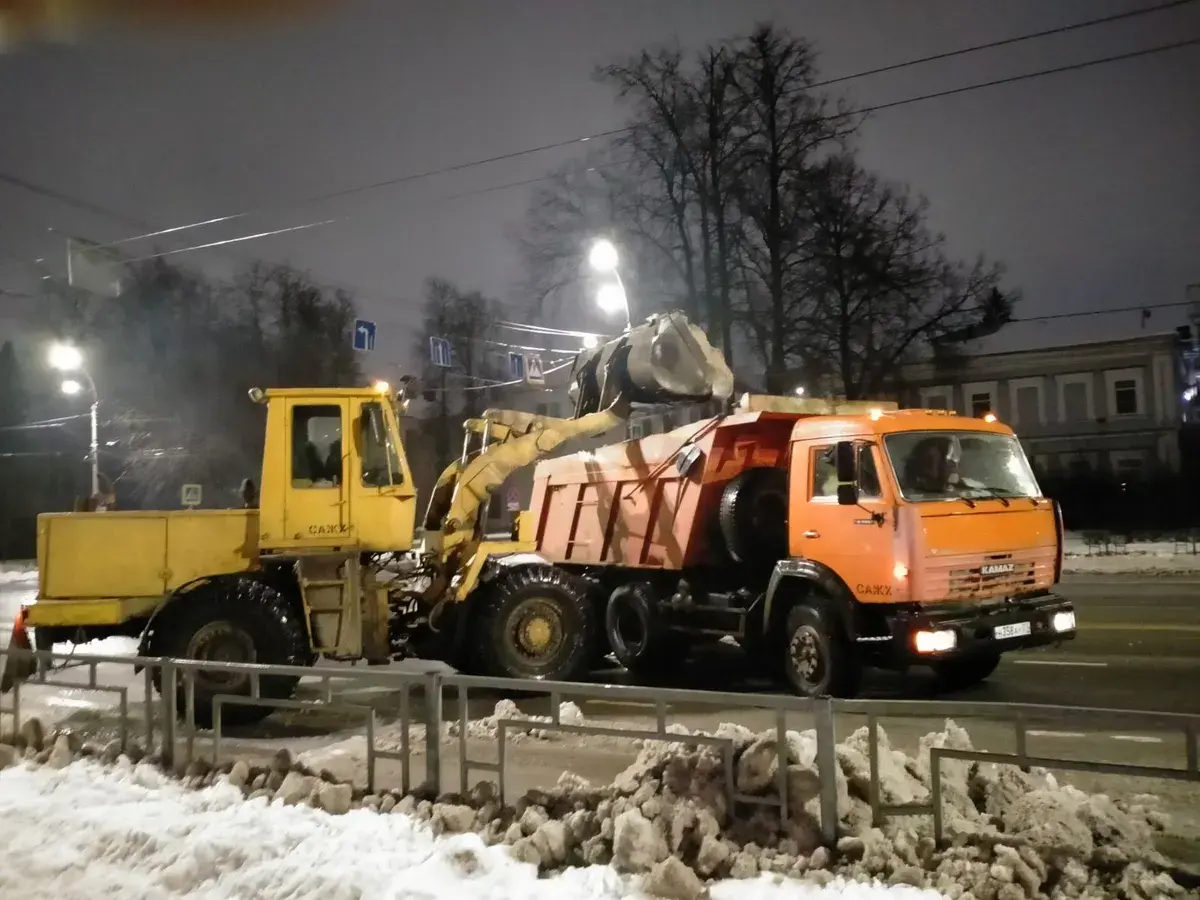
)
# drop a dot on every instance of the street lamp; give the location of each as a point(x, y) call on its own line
point(611, 297)
point(69, 358)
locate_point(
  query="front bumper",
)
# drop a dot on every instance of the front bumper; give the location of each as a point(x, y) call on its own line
point(1023, 624)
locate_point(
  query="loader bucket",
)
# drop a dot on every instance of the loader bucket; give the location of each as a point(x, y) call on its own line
point(19, 661)
point(665, 360)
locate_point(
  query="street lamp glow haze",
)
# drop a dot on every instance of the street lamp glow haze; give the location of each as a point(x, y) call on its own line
point(603, 256)
point(611, 297)
point(65, 357)
point(71, 387)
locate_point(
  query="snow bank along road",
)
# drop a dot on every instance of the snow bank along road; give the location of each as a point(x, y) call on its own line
point(662, 827)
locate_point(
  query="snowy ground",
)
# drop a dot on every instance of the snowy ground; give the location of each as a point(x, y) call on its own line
point(131, 834)
point(1135, 558)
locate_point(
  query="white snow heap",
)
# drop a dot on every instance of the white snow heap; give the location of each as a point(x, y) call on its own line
point(666, 819)
point(486, 728)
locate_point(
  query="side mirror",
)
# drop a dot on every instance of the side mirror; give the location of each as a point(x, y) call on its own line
point(846, 462)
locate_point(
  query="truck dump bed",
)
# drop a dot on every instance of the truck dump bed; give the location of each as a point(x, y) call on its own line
point(651, 503)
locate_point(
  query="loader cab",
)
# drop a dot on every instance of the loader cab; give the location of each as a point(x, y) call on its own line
point(335, 476)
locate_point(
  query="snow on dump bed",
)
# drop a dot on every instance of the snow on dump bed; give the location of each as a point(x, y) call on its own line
point(664, 825)
point(129, 833)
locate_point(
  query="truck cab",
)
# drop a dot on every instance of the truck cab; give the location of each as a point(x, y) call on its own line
point(932, 534)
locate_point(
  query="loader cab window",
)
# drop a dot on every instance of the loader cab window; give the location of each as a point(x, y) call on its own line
point(380, 461)
point(825, 474)
point(316, 446)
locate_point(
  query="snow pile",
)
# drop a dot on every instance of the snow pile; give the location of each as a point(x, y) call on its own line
point(506, 710)
point(18, 574)
point(666, 818)
point(79, 830)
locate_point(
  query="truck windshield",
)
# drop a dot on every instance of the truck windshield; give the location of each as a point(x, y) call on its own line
point(947, 465)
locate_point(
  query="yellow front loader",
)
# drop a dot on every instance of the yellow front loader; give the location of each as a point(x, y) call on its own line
point(325, 560)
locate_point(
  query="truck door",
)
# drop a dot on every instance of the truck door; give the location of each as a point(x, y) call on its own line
point(383, 500)
point(316, 505)
point(851, 540)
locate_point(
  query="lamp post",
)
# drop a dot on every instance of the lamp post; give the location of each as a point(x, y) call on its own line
point(68, 358)
point(611, 297)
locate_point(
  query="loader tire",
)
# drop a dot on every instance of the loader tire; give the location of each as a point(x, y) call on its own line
point(754, 516)
point(536, 622)
point(638, 639)
point(230, 620)
point(818, 659)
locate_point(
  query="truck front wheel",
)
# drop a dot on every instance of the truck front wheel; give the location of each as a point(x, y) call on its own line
point(966, 672)
point(535, 622)
point(232, 620)
point(818, 660)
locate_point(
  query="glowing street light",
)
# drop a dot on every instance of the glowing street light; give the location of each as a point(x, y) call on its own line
point(603, 256)
point(69, 358)
point(611, 297)
point(800, 391)
point(590, 342)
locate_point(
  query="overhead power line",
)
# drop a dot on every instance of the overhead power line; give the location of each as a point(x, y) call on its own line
point(613, 132)
point(1141, 307)
point(1005, 42)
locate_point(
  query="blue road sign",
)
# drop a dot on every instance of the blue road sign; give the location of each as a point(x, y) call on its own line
point(516, 366)
point(364, 335)
point(439, 352)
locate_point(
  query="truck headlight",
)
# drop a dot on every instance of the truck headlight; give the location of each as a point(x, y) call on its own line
point(1063, 621)
point(935, 641)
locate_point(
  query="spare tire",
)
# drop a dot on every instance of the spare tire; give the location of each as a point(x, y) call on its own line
point(754, 516)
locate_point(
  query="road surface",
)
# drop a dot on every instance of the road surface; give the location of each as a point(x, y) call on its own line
point(1138, 648)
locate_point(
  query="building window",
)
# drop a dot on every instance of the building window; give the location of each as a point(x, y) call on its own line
point(980, 398)
point(1075, 398)
point(1028, 405)
point(1127, 464)
point(636, 430)
point(1077, 465)
point(1125, 397)
point(936, 398)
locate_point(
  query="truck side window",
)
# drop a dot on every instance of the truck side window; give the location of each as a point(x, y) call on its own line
point(380, 462)
point(316, 446)
point(825, 473)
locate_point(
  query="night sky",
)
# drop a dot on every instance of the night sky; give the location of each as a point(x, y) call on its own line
point(1086, 184)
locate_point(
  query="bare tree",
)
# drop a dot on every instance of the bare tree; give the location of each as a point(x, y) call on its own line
point(882, 286)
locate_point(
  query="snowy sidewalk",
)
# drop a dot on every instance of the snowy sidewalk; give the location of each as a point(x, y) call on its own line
point(131, 834)
point(1163, 558)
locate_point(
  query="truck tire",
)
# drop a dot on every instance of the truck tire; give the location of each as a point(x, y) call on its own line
point(534, 622)
point(818, 660)
point(638, 640)
point(230, 620)
point(754, 515)
point(969, 671)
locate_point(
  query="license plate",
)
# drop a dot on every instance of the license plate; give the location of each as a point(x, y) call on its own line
point(1016, 629)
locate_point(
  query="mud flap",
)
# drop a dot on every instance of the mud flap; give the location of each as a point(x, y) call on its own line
point(20, 663)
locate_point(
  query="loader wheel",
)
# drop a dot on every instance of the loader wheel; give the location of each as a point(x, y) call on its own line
point(238, 620)
point(954, 674)
point(817, 659)
point(754, 515)
point(638, 640)
point(535, 622)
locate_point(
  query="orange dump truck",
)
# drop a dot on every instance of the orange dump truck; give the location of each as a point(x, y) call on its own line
point(824, 538)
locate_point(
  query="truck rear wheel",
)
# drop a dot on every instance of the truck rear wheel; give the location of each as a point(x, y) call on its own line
point(966, 672)
point(535, 622)
point(818, 660)
point(638, 640)
point(237, 620)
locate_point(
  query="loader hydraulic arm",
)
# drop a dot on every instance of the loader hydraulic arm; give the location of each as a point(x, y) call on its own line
point(664, 360)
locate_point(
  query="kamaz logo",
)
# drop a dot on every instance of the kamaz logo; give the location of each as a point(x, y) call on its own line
point(997, 568)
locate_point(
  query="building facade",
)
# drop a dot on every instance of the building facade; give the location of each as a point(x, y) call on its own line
point(1112, 406)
